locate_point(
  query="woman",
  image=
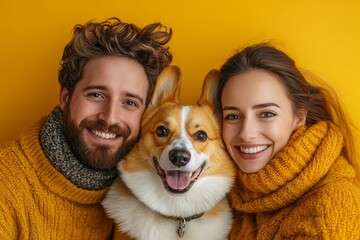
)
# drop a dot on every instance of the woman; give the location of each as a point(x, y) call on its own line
point(295, 173)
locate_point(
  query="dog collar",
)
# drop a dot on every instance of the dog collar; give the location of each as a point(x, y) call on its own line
point(183, 221)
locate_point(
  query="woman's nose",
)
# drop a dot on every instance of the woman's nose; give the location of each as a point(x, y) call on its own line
point(248, 130)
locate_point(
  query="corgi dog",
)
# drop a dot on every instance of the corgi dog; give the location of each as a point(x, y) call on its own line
point(173, 183)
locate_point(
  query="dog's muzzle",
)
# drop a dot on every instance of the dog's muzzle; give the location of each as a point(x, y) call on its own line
point(177, 181)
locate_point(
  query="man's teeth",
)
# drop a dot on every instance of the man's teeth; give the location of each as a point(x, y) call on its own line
point(253, 149)
point(104, 134)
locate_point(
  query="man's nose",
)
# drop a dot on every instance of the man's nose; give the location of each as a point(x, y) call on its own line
point(111, 113)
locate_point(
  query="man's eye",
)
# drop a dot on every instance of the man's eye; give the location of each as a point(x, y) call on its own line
point(95, 95)
point(131, 103)
point(267, 114)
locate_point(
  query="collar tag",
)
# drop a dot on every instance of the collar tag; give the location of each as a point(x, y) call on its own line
point(181, 228)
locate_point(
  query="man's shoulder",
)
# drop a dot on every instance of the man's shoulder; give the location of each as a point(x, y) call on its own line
point(12, 174)
point(8, 149)
point(28, 139)
point(14, 161)
point(10, 154)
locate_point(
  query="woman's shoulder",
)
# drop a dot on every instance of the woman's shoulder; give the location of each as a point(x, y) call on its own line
point(331, 211)
point(341, 196)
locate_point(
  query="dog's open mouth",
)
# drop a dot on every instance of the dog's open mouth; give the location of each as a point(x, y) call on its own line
point(178, 181)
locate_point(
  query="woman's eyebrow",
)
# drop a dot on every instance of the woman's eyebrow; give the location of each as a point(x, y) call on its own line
point(230, 108)
point(264, 105)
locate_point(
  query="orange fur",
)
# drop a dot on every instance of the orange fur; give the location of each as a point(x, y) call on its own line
point(182, 124)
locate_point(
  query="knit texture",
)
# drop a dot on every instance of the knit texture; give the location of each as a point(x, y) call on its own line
point(38, 202)
point(58, 152)
point(305, 192)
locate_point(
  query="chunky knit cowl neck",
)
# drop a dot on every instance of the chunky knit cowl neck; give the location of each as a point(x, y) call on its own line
point(56, 148)
point(297, 168)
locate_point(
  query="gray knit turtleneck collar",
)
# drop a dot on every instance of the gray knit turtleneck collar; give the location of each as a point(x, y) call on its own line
point(56, 148)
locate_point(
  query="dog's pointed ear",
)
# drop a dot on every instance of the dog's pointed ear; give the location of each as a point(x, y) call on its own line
point(167, 87)
point(209, 89)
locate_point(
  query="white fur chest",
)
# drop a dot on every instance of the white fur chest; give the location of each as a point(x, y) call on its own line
point(142, 223)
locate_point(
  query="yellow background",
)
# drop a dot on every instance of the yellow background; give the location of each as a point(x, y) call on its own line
point(323, 36)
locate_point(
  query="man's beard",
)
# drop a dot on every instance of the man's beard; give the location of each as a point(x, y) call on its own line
point(102, 157)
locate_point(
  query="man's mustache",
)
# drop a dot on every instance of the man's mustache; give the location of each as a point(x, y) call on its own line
point(101, 125)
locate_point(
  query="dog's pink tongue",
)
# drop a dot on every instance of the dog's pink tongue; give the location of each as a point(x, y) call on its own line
point(178, 179)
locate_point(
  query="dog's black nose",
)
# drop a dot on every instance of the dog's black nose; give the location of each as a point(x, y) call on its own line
point(179, 157)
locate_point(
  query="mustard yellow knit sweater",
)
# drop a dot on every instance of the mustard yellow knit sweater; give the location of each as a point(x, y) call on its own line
point(37, 202)
point(305, 192)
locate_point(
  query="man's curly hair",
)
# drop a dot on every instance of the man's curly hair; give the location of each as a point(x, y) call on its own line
point(115, 38)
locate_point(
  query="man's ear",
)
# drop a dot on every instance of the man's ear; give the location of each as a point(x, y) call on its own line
point(64, 97)
point(301, 117)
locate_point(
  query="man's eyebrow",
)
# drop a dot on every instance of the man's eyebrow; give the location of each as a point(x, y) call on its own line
point(129, 94)
point(95, 87)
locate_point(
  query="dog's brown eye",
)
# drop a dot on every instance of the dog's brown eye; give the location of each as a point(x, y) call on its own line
point(201, 136)
point(162, 131)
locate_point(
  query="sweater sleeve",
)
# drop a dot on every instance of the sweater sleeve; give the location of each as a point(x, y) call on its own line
point(332, 212)
point(8, 197)
point(341, 213)
point(8, 223)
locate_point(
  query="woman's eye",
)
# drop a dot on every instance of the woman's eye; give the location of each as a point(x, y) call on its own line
point(201, 136)
point(267, 114)
point(162, 131)
point(231, 117)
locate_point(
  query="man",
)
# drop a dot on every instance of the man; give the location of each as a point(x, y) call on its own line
point(55, 176)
